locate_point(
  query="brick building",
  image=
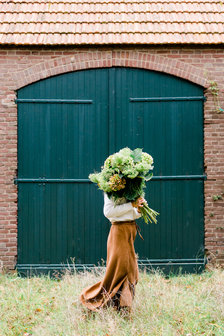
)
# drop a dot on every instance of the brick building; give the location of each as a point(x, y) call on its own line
point(39, 40)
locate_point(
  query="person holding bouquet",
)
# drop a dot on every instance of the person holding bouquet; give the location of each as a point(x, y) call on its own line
point(123, 203)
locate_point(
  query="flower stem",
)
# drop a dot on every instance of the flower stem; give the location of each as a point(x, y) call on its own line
point(148, 214)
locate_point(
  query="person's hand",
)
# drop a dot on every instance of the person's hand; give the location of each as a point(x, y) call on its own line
point(138, 203)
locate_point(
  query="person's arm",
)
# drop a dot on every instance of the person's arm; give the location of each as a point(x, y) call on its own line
point(111, 210)
point(137, 213)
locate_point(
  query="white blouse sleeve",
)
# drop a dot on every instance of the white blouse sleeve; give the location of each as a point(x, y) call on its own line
point(111, 210)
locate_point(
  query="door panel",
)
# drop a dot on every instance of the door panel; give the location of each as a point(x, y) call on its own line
point(164, 116)
point(63, 136)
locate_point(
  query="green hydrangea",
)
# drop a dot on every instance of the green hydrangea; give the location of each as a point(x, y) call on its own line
point(147, 159)
point(107, 163)
point(126, 163)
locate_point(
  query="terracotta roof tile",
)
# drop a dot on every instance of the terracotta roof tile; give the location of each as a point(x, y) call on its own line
point(78, 22)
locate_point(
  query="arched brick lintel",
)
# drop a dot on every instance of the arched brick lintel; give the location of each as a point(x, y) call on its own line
point(105, 59)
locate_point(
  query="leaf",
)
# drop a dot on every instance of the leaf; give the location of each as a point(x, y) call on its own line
point(136, 154)
point(148, 176)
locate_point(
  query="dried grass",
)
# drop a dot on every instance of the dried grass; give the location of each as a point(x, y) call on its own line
point(179, 305)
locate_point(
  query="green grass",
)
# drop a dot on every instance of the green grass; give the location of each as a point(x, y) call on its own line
point(180, 305)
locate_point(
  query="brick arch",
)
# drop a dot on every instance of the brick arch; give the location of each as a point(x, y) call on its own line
point(102, 59)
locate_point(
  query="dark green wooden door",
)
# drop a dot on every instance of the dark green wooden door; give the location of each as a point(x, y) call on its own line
point(68, 125)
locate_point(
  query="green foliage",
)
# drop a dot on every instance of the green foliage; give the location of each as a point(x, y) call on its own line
point(214, 88)
point(216, 197)
point(133, 190)
point(136, 155)
point(148, 177)
point(215, 92)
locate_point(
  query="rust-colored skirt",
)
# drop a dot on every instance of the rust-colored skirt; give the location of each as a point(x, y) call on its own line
point(118, 285)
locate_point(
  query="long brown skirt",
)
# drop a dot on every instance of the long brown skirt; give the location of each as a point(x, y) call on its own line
point(118, 285)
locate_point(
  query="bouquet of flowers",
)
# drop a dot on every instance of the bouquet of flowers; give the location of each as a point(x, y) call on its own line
point(123, 178)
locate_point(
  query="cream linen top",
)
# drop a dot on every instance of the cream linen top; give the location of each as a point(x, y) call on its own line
point(123, 212)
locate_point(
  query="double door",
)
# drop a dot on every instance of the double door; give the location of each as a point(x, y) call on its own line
point(68, 125)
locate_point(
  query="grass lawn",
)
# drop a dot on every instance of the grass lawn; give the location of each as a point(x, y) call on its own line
point(180, 305)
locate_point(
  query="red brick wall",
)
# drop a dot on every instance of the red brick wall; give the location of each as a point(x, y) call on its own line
point(22, 66)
